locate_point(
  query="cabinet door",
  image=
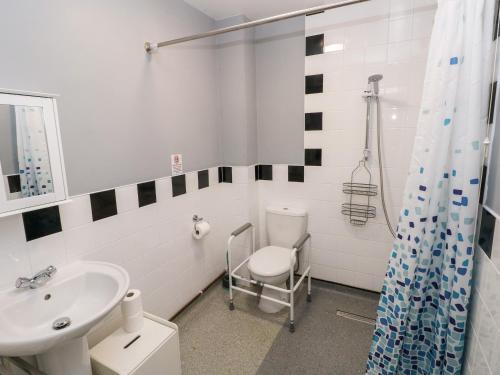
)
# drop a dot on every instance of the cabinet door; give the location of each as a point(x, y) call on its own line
point(31, 164)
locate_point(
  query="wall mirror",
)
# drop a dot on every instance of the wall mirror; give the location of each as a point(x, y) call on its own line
point(31, 162)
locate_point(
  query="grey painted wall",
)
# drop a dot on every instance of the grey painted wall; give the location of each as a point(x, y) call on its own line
point(261, 91)
point(236, 88)
point(122, 112)
point(279, 51)
point(8, 141)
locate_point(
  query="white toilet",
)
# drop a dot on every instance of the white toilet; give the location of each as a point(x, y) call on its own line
point(271, 264)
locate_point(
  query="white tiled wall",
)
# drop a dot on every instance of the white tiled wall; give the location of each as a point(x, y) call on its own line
point(382, 36)
point(483, 337)
point(153, 243)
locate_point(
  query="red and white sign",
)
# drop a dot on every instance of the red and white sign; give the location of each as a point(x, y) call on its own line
point(176, 160)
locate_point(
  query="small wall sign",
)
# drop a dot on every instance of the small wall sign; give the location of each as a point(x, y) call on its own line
point(176, 160)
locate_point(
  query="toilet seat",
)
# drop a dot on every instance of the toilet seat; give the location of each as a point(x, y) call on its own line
point(270, 261)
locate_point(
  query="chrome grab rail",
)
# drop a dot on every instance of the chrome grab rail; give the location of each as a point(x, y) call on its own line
point(301, 241)
point(241, 229)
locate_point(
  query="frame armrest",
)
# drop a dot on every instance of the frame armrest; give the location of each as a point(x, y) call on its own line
point(301, 241)
point(241, 229)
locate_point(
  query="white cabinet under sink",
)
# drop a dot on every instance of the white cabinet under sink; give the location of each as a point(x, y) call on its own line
point(154, 350)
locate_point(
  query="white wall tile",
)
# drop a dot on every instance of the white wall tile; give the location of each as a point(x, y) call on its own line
point(483, 339)
point(213, 174)
point(240, 175)
point(126, 198)
point(280, 173)
point(401, 8)
point(163, 189)
point(400, 29)
point(14, 263)
point(107, 231)
point(495, 250)
point(376, 54)
point(422, 24)
point(47, 251)
point(400, 52)
point(79, 241)
point(191, 182)
point(11, 231)
point(76, 213)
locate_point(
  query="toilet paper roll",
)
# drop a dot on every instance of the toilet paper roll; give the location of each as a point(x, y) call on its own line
point(132, 303)
point(201, 230)
point(133, 323)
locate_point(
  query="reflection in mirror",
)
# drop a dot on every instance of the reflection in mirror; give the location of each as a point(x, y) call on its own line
point(24, 154)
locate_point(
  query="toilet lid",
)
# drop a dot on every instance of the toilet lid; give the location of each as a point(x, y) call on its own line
point(270, 261)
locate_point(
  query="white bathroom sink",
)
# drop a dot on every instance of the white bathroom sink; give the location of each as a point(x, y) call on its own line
point(84, 292)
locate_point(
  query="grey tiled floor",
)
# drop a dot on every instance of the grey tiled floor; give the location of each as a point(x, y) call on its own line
point(216, 341)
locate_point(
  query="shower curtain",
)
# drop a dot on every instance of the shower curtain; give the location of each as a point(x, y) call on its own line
point(32, 151)
point(423, 307)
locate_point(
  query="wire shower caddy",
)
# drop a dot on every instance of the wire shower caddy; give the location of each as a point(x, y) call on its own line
point(359, 209)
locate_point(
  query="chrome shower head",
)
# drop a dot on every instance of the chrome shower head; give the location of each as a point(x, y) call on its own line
point(374, 79)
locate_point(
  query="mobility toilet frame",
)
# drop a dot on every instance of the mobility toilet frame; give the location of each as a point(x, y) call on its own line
point(297, 247)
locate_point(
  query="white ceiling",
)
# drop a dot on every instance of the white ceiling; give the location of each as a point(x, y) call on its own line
point(253, 9)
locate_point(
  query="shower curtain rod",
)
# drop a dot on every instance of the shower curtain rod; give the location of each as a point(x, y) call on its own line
point(150, 47)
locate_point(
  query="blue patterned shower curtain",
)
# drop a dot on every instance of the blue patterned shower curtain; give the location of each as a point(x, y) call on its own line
point(33, 154)
point(423, 307)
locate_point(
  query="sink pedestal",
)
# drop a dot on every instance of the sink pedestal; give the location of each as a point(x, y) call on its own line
point(71, 357)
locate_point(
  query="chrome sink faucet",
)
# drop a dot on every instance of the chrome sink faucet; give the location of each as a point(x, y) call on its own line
point(40, 279)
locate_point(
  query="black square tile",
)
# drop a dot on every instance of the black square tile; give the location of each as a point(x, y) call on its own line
point(487, 232)
point(103, 204)
point(314, 84)
point(203, 179)
point(14, 183)
point(493, 94)
point(313, 156)
point(314, 121)
point(483, 184)
point(315, 44)
point(296, 173)
point(496, 28)
point(221, 174)
point(264, 172)
point(146, 193)
point(226, 174)
point(41, 223)
point(178, 185)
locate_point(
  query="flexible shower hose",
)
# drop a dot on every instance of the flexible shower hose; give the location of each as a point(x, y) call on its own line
point(381, 171)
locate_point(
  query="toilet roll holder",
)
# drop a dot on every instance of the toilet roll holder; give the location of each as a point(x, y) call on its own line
point(196, 220)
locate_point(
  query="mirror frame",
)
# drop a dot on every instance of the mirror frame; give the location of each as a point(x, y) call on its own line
point(49, 105)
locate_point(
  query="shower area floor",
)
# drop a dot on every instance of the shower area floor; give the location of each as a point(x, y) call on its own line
point(216, 341)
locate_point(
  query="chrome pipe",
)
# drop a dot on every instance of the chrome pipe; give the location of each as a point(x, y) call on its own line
point(149, 47)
